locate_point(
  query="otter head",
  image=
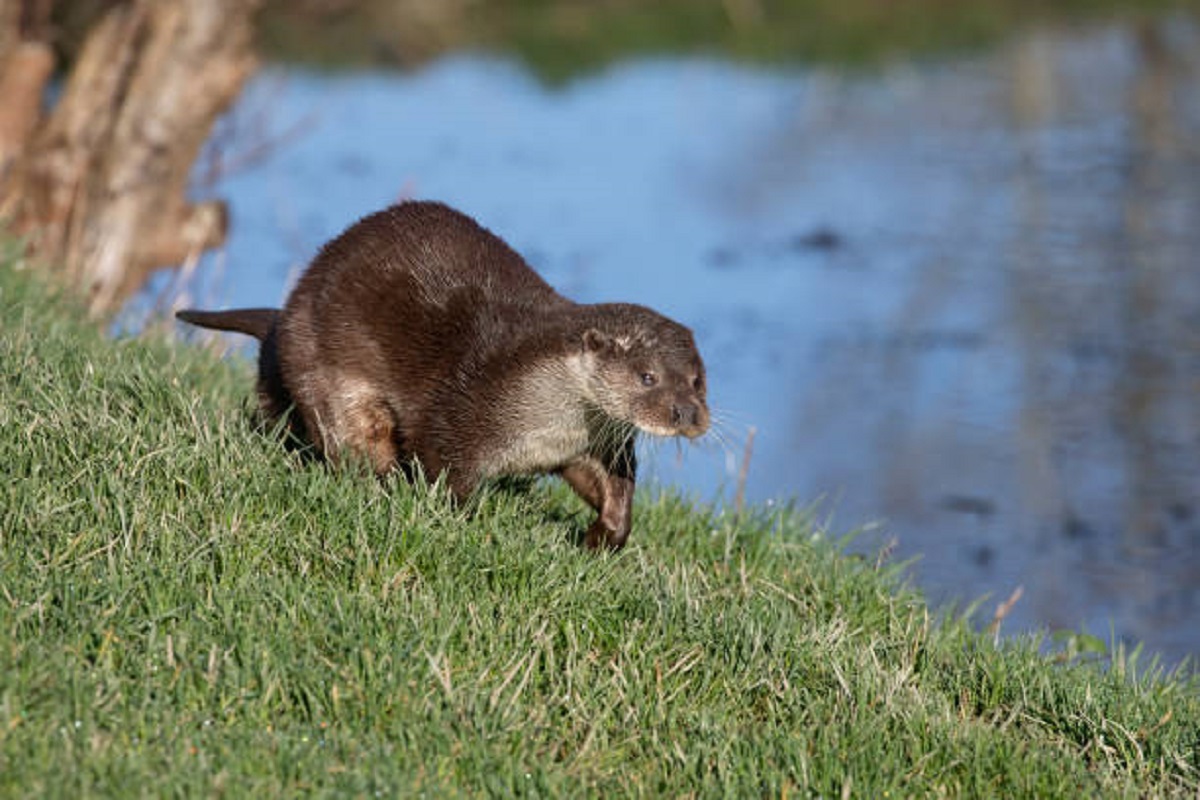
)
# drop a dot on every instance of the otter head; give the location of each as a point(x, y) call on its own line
point(647, 372)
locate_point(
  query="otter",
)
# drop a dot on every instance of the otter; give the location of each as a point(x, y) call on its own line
point(418, 337)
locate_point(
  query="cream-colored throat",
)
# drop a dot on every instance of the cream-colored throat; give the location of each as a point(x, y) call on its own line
point(542, 421)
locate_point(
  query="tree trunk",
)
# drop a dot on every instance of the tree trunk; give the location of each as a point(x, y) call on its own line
point(26, 63)
point(99, 187)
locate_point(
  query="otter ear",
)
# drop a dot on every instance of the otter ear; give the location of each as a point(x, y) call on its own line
point(594, 341)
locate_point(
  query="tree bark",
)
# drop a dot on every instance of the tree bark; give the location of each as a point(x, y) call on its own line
point(26, 63)
point(98, 188)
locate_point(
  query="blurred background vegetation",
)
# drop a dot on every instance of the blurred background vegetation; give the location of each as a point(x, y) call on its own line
point(562, 38)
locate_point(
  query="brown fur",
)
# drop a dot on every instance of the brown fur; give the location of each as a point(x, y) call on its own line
point(417, 335)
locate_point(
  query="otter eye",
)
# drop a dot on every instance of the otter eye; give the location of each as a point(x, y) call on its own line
point(649, 379)
point(698, 383)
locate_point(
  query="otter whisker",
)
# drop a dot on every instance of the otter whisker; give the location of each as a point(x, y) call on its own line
point(729, 420)
point(719, 437)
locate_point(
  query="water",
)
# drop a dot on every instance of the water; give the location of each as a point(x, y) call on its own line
point(959, 299)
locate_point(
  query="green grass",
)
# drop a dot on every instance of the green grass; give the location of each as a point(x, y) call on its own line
point(186, 609)
point(560, 39)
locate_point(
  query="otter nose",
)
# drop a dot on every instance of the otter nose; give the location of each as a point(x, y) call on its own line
point(685, 416)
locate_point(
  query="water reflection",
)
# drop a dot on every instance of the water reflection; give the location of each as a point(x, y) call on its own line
point(1032, 415)
point(961, 298)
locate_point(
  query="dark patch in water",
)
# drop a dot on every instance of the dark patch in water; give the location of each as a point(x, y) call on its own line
point(820, 238)
point(966, 504)
point(722, 257)
point(1076, 529)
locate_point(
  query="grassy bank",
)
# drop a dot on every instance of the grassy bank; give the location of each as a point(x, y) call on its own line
point(184, 609)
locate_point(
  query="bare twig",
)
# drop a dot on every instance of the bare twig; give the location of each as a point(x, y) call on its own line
point(1002, 611)
point(739, 498)
point(220, 165)
point(885, 552)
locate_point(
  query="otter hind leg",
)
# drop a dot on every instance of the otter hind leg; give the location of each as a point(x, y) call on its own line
point(373, 435)
point(356, 422)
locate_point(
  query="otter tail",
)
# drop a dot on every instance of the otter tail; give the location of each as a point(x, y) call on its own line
point(256, 322)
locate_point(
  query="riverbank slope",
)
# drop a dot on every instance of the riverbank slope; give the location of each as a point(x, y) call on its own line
point(185, 608)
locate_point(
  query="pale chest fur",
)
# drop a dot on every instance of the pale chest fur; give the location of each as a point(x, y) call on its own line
point(543, 420)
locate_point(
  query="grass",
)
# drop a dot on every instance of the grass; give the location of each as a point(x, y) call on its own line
point(560, 39)
point(185, 609)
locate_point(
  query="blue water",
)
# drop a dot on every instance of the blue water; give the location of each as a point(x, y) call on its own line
point(957, 299)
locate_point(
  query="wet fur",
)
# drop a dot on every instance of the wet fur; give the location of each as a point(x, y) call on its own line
point(419, 335)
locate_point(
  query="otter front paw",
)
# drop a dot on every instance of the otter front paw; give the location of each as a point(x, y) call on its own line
point(600, 535)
